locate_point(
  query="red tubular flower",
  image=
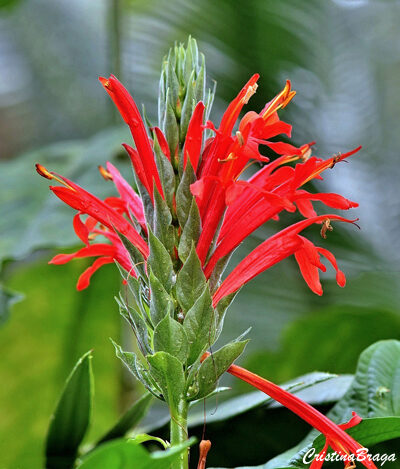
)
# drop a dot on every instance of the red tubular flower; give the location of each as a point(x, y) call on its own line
point(252, 208)
point(278, 247)
point(108, 253)
point(342, 443)
point(108, 214)
point(130, 113)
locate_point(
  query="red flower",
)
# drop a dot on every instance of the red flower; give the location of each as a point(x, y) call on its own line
point(336, 437)
point(230, 208)
point(108, 253)
point(108, 214)
point(145, 165)
point(278, 247)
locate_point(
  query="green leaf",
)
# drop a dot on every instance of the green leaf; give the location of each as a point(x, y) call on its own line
point(170, 336)
point(138, 324)
point(191, 232)
point(200, 89)
point(166, 172)
point(215, 365)
point(143, 437)
point(128, 454)
point(183, 195)
point(172, 82)
point(162, 222)
point(167, 371)
point(130, 360)
point(171, 130)
point(161, 304)
point(374, 393)
point(129, 419)
point(200, 325)
point(135, 255)
point(221, 309)
point(316, 388)
point(160, 262)
point(191, 281)
point(71, 418)
point(188, 106)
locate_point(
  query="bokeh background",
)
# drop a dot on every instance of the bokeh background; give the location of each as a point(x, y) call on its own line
point(343, 58)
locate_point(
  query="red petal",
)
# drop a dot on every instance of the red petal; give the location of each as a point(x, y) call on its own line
point(261, 258)
point(162, 141)
point(80, 229)
point(309, 271)
point(84, 279)
point(99, 249)
point(127, 194)
point(138, 167)
point(194, 137)
point(340, 277)
point(87, 203)
point(355, 420)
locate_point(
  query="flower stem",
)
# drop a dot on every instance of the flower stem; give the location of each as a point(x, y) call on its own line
point(179, 433)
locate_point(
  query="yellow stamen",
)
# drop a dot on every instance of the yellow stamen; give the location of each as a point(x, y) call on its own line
point(280, 101)
point(326, 226)
point(230, 157)
point(48, 175)
point(106, 174)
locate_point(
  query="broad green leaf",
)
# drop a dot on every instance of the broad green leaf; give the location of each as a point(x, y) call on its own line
point(200, 325)
point(368, 433)
point(191, 232)
point(183, 195)
point(160, 262)
point(170, 336)
point(161, 302)
point(191, 281)
point(128, 454)
point(215, 365)
point(128, 420)
point(71, 418)
point(374, 393)
point(167, 371)
point(314, 388)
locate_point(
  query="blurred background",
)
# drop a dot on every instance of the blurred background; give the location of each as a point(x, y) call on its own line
point(343, 58)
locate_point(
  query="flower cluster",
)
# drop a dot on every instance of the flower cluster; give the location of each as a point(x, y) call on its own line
point(230, 208)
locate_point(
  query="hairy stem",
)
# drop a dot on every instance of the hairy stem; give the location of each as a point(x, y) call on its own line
point(179, 433)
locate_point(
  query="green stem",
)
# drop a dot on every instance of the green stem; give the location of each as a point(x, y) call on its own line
point(179, 433)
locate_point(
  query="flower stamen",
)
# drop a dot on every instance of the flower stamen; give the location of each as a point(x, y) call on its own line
point(326, 226)
point(106, 174)
point(42, 171)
